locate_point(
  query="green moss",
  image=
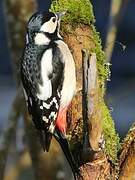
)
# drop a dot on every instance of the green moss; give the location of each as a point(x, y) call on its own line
point(103, 71)
point(77, 11)
point(112, 144)
point(81, 12)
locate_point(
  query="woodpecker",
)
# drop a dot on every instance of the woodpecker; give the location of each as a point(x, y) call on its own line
point(49, 80)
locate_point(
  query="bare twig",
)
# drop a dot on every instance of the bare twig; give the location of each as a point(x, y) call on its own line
point(117, 10)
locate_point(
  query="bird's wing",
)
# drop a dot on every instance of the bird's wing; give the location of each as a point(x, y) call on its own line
point(43, 111)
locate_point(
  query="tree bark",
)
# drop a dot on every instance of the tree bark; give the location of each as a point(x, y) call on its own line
point(90, 133)
point(86, 134)
point(127, 157)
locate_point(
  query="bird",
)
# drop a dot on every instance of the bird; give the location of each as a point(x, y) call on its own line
point(48, 77)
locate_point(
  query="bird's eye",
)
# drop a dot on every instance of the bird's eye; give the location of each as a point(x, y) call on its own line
point(53, 19)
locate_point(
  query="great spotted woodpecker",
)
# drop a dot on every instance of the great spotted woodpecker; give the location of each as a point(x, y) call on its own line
point(48, 79)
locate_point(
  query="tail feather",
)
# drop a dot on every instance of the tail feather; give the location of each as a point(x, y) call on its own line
point(45, 139)
point(65, 147)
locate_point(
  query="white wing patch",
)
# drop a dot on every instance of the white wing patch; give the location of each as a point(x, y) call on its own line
point(47, 106)
point(45, 90)
point(45, 119)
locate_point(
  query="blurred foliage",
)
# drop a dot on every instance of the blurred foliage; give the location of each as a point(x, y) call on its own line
point(17, 13)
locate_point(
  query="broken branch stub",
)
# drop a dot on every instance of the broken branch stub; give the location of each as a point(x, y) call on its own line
point(90, 101)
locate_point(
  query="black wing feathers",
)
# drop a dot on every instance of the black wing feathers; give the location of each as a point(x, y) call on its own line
point(31, 77)
point(57, 74)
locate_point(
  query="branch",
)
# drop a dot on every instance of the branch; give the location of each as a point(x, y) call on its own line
point(24, 162)
point(127, 156)
point(117, 10)
point(9, 133)
point(92, 128)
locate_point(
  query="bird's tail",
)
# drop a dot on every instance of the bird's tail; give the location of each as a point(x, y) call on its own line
point(45, 138)
point(65, 147)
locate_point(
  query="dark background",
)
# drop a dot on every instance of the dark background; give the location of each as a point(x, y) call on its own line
point(120, 95)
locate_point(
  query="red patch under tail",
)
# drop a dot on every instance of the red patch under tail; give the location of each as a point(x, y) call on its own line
point(61, 122)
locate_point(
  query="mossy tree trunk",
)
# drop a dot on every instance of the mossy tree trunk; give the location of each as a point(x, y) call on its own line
point(91, 132)
point(92, 136)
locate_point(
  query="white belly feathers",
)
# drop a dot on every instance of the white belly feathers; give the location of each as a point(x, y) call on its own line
point(69, 83)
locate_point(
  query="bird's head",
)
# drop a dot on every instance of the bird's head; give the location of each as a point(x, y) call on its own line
point(43, 27)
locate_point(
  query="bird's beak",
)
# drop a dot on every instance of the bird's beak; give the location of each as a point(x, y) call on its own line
point(60, 14)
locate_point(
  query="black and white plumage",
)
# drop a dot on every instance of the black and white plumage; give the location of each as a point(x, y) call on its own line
point(48, 79)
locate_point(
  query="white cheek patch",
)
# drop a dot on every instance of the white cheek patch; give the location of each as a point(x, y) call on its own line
point(41, 39)
point(49, 26)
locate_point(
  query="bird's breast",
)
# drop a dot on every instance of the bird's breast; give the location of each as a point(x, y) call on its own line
point(69, 82)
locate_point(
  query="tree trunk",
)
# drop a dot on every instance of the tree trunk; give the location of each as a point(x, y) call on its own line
point(91, 130)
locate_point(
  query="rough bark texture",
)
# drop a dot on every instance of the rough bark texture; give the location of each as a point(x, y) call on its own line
point(127, 157)
point(91, 133)
point(86, 132)
point(92, 165)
